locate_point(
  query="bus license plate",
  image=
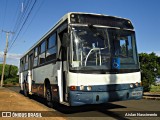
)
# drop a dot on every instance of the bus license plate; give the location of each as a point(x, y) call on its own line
point(137, 93)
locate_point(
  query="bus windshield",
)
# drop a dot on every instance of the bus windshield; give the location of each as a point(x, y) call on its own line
point(95, 47)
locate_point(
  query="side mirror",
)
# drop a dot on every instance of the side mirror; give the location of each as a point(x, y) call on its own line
point(65, 40)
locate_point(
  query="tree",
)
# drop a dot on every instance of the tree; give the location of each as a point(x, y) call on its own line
point(10, 71)
point(150, 69)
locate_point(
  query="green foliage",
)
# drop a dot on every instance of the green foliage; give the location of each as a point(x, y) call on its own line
point(150, 69)
point(155, 88)
point(10, 71)
point(12, 81)
point(10, 74)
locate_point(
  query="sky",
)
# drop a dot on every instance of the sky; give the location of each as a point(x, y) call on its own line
point(144, 15)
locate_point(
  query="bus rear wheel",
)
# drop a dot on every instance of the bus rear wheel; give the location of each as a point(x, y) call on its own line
point(49, 97)
point(25, 92)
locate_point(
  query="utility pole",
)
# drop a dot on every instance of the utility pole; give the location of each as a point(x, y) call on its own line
point(5, 54)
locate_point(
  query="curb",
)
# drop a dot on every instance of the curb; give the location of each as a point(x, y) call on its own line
point(151, 98)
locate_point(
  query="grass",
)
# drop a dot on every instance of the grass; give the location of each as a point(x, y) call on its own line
point(155, 88)
point(11, 81)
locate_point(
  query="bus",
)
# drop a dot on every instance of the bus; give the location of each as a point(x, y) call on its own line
point(84, 59)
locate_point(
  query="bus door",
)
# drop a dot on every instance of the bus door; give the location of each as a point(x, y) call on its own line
point(30, 71)
point(64, 72)
point(63, 57)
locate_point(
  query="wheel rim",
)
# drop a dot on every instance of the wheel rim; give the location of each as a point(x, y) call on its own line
point(48, 97)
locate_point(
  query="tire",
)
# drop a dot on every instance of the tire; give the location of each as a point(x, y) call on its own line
point(25, 92)
point(49, 97)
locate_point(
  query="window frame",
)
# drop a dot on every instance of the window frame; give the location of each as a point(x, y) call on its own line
point(42, 52)
point(54, 46)
point(35, 57)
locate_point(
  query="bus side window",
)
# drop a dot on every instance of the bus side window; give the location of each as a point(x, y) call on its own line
point(51, 48)
point(26, 63)
point(42, 52)
point(21, 66)
point(35, 63)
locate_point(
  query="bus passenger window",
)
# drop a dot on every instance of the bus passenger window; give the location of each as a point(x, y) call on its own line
point(35, 57)
point(52, 41)
point(42, 53)
point(26, 63)
point(51, 48)
point(21, 66)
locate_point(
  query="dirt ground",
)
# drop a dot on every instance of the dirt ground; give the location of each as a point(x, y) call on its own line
point(19, 105)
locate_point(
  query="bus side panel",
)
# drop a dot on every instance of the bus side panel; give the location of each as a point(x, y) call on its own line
point(29, 75)
point(21, 80)
point(24, 79)
point(40, 74)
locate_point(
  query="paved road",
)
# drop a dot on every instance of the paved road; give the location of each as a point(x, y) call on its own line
point(114, 110)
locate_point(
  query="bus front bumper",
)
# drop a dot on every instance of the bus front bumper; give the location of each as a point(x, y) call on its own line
point(78, 98)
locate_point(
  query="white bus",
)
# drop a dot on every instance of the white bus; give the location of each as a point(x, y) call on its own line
point(85, 58)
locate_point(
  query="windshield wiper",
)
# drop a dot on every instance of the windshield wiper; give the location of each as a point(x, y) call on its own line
point(94, 30)
point(100, 35)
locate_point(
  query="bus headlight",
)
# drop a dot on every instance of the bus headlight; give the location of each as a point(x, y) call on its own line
point(81, 87)
point(131, 85)
point(89, 88)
